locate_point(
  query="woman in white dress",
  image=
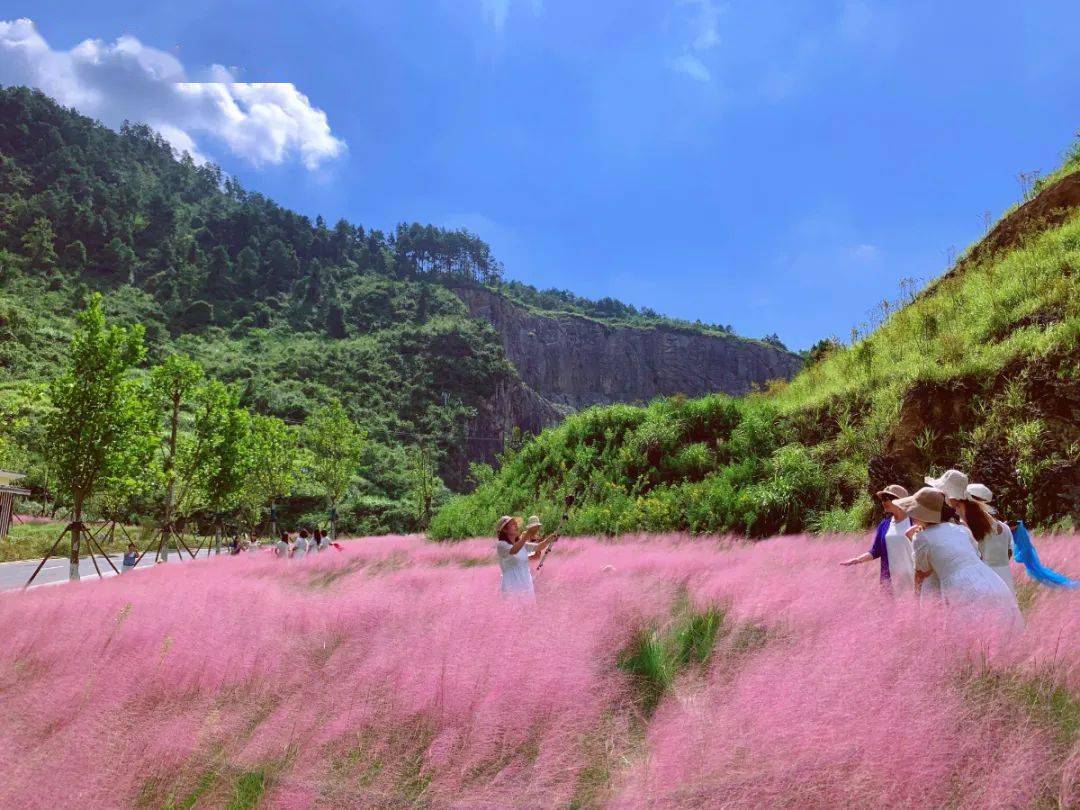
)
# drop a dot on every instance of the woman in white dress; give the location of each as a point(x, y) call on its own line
point(514, 550)
point(967, 584)
point(953, 484)
point(891, 545)
point(994, 536)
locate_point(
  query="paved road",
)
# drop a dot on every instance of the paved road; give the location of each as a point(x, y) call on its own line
point(15, 574)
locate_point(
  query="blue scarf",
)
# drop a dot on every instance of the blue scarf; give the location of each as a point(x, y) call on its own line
point(1025, 553)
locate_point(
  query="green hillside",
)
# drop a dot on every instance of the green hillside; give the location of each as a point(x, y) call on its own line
point(295, 313)
point(980, 371)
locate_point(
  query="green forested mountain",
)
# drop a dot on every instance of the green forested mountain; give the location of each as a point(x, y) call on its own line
point(980, 371)
point(294, 312)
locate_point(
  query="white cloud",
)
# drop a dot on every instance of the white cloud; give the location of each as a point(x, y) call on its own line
point(498, 11)
point(692, 66)
point(707, 24)
point(263, 123)
point(863, 254)
point(705, 31)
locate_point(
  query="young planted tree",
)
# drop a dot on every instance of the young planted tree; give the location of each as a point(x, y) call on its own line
point(214, 462)
point(270, 452)
point(336, 445)
point(96, 414)
point(172, 384)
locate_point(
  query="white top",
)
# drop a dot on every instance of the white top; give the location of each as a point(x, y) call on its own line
point(901, 556)
point(516, 576)
point(282, 548)
point(994, 548)
point(946, 549)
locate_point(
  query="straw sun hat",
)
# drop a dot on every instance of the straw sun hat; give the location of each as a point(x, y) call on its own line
point(895, 490)
point(925, 505)
point(500, 524)
point(952, 482)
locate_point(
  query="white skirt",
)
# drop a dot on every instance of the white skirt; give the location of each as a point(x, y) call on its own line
point(978, 589)
point(1005, 572)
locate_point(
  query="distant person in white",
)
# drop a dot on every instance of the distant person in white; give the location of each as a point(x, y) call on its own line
point(514, 550)
point(283, 546)
point(302, 546)
point(967, 583)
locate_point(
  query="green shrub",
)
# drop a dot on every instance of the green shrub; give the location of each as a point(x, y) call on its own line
point(839, 519)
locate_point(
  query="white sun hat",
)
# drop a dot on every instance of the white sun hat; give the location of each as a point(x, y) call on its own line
point(532, 526)
point(952, 482)
point(981, 494)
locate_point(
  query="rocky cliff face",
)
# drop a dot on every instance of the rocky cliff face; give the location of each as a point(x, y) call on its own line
point(576, 362)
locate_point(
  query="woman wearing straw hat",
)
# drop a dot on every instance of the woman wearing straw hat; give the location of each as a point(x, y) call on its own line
point(994, 536)
point(952, 484)
point(891, 545)
point(945, 549)
point(514, 547)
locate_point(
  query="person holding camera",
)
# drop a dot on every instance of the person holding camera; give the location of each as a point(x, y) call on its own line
point(515, 547)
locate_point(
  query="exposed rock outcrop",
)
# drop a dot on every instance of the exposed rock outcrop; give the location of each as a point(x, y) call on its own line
point(513, 405)
point(576, 362)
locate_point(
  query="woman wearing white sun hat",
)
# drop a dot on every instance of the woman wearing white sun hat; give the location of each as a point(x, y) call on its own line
point(996, 543)
point(943, 548)
point(953, 484)
point(514, 548)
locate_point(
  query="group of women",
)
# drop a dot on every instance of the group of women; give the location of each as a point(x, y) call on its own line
point(304, 543)
point(945, 542)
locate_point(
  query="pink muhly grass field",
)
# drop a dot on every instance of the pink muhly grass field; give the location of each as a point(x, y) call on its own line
point(392, 674)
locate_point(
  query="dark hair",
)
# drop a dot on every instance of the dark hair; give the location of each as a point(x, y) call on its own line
point(502, 531)
point(303, 532)
point(977, 519)
point(285, 535)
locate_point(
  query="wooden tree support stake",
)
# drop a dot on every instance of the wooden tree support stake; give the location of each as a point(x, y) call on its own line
point(37, 570)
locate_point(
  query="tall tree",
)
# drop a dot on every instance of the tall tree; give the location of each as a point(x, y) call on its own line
point(336, 445)
point(172, 383)
point(213, 461)
point(96, 413)
point(272, 465)
point(38, 244)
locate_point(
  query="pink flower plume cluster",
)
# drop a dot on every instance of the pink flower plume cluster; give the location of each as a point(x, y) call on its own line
point(392, 674)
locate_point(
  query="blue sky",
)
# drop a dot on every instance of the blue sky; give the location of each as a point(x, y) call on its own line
point(778, 166)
